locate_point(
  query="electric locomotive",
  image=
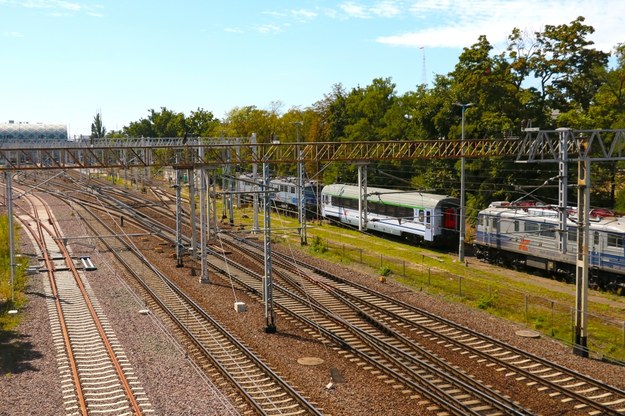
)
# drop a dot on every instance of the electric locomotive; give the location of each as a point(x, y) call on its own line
point(528, 235)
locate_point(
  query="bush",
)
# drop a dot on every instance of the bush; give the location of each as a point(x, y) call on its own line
point(318, 246)
point(486, 302)
point(384, 271)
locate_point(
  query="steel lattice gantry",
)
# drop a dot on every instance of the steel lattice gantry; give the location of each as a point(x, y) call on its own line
point(178, 152)
point(540, 146)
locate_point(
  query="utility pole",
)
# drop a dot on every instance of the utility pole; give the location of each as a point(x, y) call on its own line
point(203, 221)
point(8, 177)
point(563, 189)
point(270, 314)
point(462, 202)
point(179, 246)
point(255, 224)
point(362, 197)
point(301, 203)
point(583, 241)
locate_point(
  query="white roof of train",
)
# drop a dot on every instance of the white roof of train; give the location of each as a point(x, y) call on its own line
point(394, 196)
point(611, 220)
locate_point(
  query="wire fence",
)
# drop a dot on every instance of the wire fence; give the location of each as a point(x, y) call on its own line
point(553, 318)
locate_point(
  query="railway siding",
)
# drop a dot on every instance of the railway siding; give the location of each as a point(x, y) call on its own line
point(95, 373)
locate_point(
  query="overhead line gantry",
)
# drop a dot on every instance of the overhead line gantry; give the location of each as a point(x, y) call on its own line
point(126, 153)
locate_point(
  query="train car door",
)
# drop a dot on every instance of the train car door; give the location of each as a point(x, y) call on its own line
point(427, 232)
point(596, 248)
point(449, 219)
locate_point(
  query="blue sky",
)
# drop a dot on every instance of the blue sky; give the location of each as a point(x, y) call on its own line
point(64, 61)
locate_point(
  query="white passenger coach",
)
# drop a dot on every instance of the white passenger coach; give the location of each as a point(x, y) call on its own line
point(415, 216)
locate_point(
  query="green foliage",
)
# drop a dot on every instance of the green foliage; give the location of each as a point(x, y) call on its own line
point(202, 123)
point(164, 123)
point(539, 322)
point(19, 282)
point(384, 271)
point(318, 246)
point(620, 201)
point(97, 128)
point(487, 301)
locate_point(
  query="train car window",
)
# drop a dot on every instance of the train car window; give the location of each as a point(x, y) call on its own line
point(495, 224)
point(383, 209)
point(406, 212)
point(595, 238)
point(421, 215)
point(615, 240)
point(480, 220)
point(531, 227)
point(516, 226)
point(427, 217)
point(572, 234)
point(547, 230)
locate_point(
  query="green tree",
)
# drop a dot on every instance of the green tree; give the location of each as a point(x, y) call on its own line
point(366, 110)
point(202, 123)
point(562, 63)
point(97, 128)
point(332, 115)
point(164, 123)
point(245, 121)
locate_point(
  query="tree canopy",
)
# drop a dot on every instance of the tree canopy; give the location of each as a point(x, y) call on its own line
point(547, 79)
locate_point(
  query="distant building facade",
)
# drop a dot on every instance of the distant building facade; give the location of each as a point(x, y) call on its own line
point(12, 131)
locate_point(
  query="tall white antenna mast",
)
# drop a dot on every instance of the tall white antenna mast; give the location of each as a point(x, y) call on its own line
point(424, 78)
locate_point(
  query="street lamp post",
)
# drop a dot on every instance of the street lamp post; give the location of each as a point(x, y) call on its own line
point(462, 202)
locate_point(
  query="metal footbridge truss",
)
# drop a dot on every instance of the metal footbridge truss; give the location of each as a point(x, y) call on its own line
point(535, 146)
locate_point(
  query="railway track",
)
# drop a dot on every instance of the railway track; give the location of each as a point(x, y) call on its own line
point(214, 348)
point(443, 385)
point(580, 392)
point(95, 373)
point(399, 324)
point(446, 387)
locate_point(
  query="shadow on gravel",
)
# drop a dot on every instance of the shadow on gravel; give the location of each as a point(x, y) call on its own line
point(45, 296)
point(16, 353)
point(297, 338)
point(41, 295)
